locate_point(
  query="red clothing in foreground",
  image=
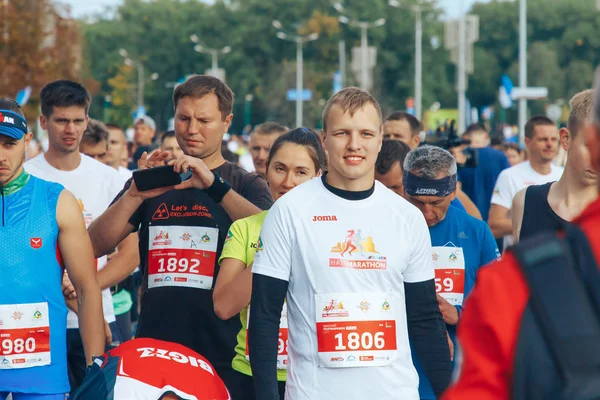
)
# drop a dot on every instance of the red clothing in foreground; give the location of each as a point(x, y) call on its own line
point(491, 320)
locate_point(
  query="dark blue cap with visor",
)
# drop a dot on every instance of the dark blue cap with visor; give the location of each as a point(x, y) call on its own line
point(12, 124)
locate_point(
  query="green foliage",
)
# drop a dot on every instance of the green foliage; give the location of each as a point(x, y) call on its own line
point(563, 50)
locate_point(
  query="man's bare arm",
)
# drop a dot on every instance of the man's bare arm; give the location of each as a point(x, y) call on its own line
point(499, 221)
point(238, 207)
point(122, 264)
point(78, 256)
point(518, 207)
point(113, 226)
point(234, 204)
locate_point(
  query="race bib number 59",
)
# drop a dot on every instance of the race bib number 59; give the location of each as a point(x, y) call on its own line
point(449, 265)
point(182, 256)
point(24, 335)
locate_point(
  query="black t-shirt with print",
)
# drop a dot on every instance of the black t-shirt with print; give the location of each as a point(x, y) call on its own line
point(180, 314)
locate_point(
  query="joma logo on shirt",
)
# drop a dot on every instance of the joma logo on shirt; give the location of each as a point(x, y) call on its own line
point(319, 218)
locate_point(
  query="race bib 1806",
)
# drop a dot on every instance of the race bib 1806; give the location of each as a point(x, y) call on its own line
point(24, 335)
point(449, 264)
point(356, 329)
point(182, 256)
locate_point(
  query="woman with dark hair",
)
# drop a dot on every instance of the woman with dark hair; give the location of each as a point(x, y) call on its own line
point(295, 157)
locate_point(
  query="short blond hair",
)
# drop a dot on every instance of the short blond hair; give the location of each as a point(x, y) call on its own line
point(350, 99)
point(581, 110)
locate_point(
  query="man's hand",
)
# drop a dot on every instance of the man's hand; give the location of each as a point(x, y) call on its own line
point(450, 346)
point(67, 287)
point(449, 312)
point(155, 159)
point(201, 178)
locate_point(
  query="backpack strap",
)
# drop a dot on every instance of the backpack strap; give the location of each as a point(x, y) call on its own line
point(564, 309)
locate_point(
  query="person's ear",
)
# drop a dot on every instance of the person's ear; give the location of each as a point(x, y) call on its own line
point(565, 138)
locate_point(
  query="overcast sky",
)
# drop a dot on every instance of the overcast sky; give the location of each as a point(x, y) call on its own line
point(84, 7)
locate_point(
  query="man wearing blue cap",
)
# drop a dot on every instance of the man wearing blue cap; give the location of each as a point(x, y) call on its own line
point(40, 226)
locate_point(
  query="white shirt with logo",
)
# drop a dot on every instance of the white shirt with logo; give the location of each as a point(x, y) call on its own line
point(516, 178)
point(346, 262)
point(95, 185)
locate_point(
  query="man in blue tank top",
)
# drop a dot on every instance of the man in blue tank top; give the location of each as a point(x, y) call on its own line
point(461, 244)
point(40, 225)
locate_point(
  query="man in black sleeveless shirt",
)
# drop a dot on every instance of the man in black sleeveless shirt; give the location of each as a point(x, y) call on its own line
point(547, 207)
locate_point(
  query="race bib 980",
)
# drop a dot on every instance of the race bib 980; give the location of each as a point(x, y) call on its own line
point(24, 335)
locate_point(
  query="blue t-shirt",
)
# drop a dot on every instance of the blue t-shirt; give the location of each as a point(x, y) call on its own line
point(478, 183)
point(457, 204)
point(479, 248)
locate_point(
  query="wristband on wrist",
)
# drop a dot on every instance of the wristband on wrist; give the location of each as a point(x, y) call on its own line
point(218, 189)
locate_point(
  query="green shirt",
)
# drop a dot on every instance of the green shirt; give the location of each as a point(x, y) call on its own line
point(122, 302)
point(240, 244)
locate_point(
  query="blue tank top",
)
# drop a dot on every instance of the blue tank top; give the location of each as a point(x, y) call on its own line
point(30, 273)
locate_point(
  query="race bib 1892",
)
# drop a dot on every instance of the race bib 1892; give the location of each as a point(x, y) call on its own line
point(182, 256)
point(24, 335)
point(356, 329)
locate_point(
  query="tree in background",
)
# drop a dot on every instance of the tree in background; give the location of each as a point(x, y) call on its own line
point(563, 50)
point(40, 43)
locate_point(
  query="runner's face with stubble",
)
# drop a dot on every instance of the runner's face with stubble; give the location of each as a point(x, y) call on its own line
point(199, 126)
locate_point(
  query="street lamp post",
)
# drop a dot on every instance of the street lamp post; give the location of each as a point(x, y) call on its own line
point(200, 48)
point(140, 75)
point(522, 67)
point(418, 9)
point(462, 76)
point(299, 40)
point(364, 48)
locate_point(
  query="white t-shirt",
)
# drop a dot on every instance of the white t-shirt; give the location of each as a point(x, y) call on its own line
point(514, 179)
point(247, 163)
point(95, 185)
point(346, 262)
point(124, 172)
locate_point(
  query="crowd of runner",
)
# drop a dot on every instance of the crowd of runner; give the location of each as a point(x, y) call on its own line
point(291, 264)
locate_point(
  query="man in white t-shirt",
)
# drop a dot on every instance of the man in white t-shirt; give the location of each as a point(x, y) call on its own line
point(354, 261)
point(65, 105)
point(541, 140)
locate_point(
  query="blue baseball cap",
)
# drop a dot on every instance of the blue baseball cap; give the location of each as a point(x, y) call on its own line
point(12, 124)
